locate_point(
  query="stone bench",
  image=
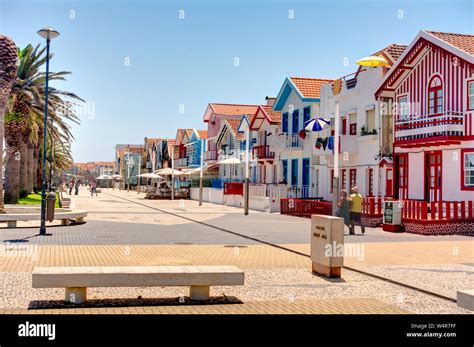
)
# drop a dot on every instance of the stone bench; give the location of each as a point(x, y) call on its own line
point(27, 213)
point(465, 299)
point(77, 279)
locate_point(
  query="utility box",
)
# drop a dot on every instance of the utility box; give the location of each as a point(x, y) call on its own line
point(392, 216)
point(327, 245)
point(50, 205)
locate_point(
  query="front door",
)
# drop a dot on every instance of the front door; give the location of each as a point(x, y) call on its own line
point(433, 173)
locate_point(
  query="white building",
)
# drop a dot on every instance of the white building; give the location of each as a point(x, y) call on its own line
point(365, 139)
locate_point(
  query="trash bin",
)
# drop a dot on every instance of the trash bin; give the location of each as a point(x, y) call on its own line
point(50, 205)
point(327, 245)
point(392, 216)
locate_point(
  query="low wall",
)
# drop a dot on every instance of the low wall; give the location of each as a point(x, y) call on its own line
point(212, 195)
point(216, 196)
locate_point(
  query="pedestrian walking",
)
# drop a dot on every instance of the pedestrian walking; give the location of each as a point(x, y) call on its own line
point(343, 208)
point(71, 186)
point(356, 200)
point(77, 185)
point(93, 188)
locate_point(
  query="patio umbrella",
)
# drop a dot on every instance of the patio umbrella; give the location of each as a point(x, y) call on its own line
point(168, 171)
point(373, 61)
point(231, 161)
point(316, 124)
point(149, 175)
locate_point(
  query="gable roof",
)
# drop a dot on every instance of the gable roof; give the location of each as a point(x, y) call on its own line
point(308, 89)
point(392, 52)
point(461, 45)
point(228, 110)
point(202, 134)
point(271, 116)
point(463, 42)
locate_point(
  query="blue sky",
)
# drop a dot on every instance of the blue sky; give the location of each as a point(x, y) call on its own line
point(136, 62)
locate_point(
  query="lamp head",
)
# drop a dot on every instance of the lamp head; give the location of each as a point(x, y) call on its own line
point(48, 33)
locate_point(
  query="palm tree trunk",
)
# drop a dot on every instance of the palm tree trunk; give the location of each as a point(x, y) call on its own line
point(30, 170)
point(35, 168)
point(23, 167)
point(12, 176)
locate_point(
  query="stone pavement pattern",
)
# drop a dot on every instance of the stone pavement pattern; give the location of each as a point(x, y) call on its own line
point(119, 232)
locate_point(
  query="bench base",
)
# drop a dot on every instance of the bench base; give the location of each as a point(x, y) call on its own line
point(76, 295)
point(465, 299)
point(11, 224)
point(199, 292)
point(65, 222)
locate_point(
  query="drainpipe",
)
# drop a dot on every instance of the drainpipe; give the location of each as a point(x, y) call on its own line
point(335, 183)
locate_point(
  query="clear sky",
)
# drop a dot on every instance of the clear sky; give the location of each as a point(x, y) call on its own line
point(138, 63)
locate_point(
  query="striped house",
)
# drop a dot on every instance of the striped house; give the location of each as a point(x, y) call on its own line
point(430, 93)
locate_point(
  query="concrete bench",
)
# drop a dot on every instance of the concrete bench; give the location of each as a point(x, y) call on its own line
point(27, 213)
point(465, 299)
point(77, 279)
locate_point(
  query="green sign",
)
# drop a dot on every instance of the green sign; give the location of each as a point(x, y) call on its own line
point(388, 213)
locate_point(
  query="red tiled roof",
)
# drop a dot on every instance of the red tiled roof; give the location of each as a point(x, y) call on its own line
point(393, 52)
point(274, 115)
point(233, 109)
point(462, 42)
point(309, 87)
point(234, 125)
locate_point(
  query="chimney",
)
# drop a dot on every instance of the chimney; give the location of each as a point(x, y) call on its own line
point(270, 100)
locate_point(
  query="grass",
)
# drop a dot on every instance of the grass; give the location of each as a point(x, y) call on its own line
point(34, 199)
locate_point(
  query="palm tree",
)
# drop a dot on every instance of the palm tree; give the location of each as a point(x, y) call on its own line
point(8, 71)
point(25, 123)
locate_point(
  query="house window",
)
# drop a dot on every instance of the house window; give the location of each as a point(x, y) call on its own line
point(284, 165)
point(467, 168)
point(295, 125)
point(353, 129)
point(370, 185)
point(352, 178)
point(306, 172)
point(435, 95)
point(344, 126)
point(370, 120)
point(294, 172)
point(470, 95)
point(403, 108)
point(306, 114)
point(343, 179)
point(284, 122)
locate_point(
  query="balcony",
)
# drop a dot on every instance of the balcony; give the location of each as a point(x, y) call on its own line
point(210, 155)
point(416, 127)
point(262, 152)
point(286, 141)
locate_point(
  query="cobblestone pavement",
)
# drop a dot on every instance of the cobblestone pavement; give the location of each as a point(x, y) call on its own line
point(119, 232)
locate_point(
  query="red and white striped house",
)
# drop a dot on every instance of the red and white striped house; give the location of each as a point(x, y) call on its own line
point(430, 94)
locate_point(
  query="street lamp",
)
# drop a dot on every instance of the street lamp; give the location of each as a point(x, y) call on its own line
point(48, 34)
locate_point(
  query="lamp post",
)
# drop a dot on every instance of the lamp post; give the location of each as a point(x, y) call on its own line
point(335, 183)
point(48, 34)
point(51, 161)
point(201, 171)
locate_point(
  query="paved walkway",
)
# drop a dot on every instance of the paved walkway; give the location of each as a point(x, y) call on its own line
point(120, 232)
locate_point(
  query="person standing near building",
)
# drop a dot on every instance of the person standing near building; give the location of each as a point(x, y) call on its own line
point(356, 200)
point(343, 208)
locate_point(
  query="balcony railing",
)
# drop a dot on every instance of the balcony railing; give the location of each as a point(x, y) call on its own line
point(262, 152)
point(210, 155)
point(448, 123)
point(181, 162)
point(287, 141)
